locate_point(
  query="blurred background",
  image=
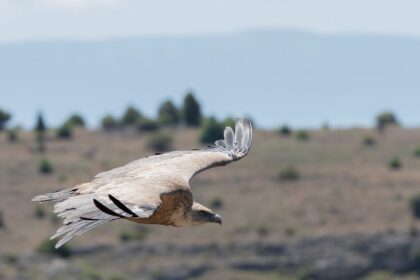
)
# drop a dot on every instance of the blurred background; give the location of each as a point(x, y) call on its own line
point(330, 190)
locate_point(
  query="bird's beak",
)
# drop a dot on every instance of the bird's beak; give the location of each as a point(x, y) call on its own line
point(217, 219)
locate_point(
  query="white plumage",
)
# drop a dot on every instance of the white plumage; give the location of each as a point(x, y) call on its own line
point(151, 190)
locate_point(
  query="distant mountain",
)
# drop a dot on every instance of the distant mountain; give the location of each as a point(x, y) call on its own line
point(276, 76)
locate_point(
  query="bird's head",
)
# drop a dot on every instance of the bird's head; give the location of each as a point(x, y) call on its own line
point(202, 215)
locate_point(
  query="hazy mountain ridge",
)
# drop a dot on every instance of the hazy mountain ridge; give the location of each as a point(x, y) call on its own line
point(288, 76)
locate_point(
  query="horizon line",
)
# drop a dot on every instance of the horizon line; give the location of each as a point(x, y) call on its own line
point(242, 31)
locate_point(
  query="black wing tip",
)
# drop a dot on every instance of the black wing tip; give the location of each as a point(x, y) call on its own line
point(122, 206)
point(88, 219)
point(106, 210)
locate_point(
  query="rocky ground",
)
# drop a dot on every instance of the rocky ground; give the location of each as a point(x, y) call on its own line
point(324, 258)
point(345, 216)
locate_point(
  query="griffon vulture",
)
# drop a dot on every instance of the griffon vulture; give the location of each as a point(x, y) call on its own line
point(151, 190)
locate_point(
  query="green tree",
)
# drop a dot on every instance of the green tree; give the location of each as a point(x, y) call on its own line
point(76, 120)
point(4, 118)
point(40, 130)
point(168, 113)
point(285, 130)
point(40, 124)
point(109, 123)
point(45, 166)
point(65, 131)
point(131, 116)
point(369, 141)
point(160, 142)
point(230, 122)
point(147, 125)
point(385, 119)
point(302, 135)
point(212, 130)
point(395, 163)
point(289, 173)
point(191, 111)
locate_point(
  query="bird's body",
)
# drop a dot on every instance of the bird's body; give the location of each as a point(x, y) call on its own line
point(151, 190)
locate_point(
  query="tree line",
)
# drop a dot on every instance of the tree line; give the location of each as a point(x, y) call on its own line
point(189, 114)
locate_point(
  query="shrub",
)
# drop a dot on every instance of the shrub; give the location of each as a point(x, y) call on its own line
point(11, 258)
point(191, 111)
point(76, 120)
point(289, 174)
point(216, 203)
point(147, 125)
point(140, 233)
point(12, 135)
point(385, 119)
point(211, 131)
point(415, 206)
point(415, 256)
point(168, 114)
point(2, 224)
point(416, 151)
point(285, 130)
point(125, 236)
point(45, 166)
point(289, 231)
point(262, 231)
point(369, 141)
point(48, 247)
point(160, 142)
point(109, 123)
point(302, 135)
point(394, 163)
point(131, 116)
point(39, 212)
point(4, 118)
point(65, 131)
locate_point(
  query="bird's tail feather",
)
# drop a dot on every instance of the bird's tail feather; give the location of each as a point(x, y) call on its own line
point(54, 196)
point(78, 212)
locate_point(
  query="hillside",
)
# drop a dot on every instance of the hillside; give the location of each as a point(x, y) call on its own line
point(345, 189)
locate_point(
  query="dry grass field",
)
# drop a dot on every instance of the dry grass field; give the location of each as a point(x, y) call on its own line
point(345, 187)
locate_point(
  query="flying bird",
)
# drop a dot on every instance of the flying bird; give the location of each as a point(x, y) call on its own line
point(151, 190)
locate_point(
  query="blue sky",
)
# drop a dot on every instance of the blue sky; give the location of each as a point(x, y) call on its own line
point(93, 19)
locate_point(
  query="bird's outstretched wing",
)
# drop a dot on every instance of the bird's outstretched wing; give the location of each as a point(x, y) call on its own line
point(136, 189)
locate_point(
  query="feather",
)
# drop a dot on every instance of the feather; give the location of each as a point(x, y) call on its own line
point(54, 196)
point(106, 210)
point(122, 206)
point(238, 133)
point(220, 143)
point(229, 135)
point(141, 184)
